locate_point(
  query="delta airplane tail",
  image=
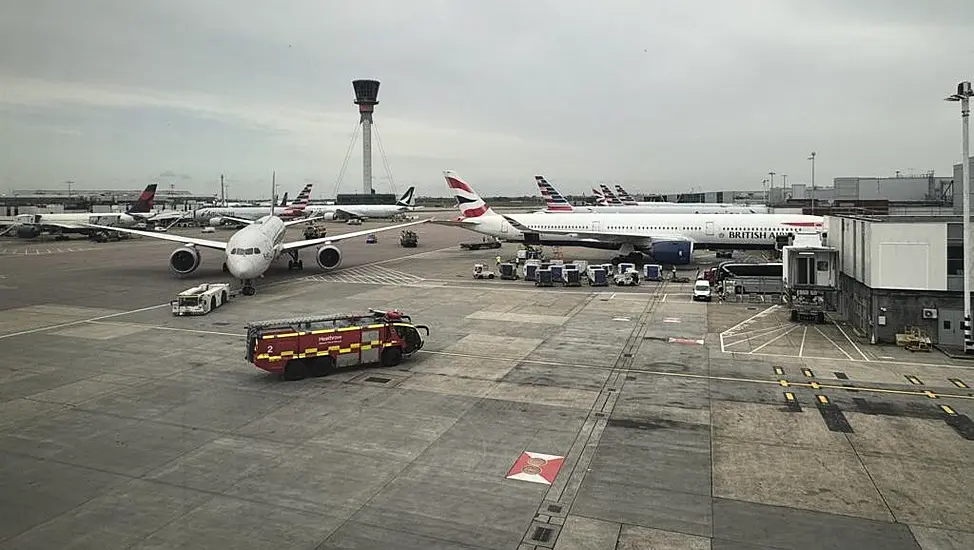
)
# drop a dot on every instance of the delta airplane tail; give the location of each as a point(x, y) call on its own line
point(143, 205)
point(554, 201)
point(468, 201)
point(626, 197)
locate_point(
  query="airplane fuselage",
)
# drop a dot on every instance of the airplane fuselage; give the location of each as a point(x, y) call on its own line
point(667, 208)
point(706, 231)
point(360, 210)
point(243, 212)
point(120, 219)
point(252, 250)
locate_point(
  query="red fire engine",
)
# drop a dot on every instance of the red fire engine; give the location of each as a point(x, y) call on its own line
point(317, 345)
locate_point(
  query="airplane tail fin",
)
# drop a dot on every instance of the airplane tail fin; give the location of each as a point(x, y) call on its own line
point(284, 199)
point(626, 197)
point(408, 199)
point(610, 197)
point(143, 204)
point(273, 191)
point(468, 201)
point(599, 197)
point(303, 198)
point(554, 201)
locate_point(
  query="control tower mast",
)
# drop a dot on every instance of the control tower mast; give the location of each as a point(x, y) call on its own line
point(366, 92)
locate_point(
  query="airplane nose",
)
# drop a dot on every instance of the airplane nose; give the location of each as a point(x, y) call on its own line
point(241, 268)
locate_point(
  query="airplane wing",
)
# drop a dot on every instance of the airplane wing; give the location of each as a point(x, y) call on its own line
point(238, 220)
point(328, 240)
point(302, 220)
point(615, 235)
point(205, 243)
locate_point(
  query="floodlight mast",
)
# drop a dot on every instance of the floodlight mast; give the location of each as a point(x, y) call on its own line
point(366, 94)
point(963, 95)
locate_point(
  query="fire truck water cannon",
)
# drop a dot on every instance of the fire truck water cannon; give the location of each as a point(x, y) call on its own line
point(303, 346)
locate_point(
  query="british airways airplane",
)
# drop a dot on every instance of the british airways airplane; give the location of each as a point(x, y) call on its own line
point(667, 238)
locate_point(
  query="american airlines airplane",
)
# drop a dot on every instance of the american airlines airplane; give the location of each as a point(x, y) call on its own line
point(668, 238)
point(217, 215)
point(249, 252)
point(556, 202)
point(331, 211)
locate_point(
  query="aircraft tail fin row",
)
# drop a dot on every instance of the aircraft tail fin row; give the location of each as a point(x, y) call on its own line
point(303, 198)
point(610, 197)
point(554, 201)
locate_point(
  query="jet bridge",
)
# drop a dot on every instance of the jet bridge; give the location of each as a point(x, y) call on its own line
point(810, 277)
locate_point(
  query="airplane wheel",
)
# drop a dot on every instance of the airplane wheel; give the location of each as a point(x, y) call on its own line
point(290, 265)
point(300, 265)
point(249, 291)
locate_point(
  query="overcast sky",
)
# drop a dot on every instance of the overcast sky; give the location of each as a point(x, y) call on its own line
point(659, 96)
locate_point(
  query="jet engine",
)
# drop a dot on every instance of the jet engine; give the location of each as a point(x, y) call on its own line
point(329, 257)
point(672, 252)
point(28, 231)
point(184, 260)
point(215, 222)
point(326, 216)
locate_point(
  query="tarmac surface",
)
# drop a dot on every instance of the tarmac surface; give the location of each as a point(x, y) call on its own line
point(651, 421)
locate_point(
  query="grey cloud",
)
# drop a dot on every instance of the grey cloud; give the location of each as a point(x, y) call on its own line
point(658, 95)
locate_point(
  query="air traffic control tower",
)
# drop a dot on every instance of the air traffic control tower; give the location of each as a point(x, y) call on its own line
point(366, 94)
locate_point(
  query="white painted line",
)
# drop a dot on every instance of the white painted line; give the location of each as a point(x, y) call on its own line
point(833, 342)
point(775, 339)
point(73, 323)
point(851, 342)
point(801, 350)
point(749, 319)
point(756, 334)
point(159, 327)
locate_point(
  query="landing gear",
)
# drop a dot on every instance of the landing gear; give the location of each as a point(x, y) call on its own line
point(248, 288)
point(633, 258)
point(295, 262)
point(225, 268)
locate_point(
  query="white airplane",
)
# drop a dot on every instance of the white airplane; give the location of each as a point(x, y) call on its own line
point(250, 251)
point(622, 198)
point(668, 238)
point(217, 215)
point(405, 203)
point(556, 202)
point(32, 225)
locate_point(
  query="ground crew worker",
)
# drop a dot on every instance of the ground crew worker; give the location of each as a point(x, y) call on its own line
point(497, 261)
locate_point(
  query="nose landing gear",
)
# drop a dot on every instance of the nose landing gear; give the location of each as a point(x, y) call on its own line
point(295, 262)
point(248, 288)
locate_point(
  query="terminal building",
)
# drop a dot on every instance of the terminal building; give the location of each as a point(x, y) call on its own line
point(900, 271)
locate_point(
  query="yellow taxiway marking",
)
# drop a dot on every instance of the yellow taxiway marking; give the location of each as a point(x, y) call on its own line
point(948, 410)
point(808, 372)
point(779, 371)
point(958, 383)
point(822, 399)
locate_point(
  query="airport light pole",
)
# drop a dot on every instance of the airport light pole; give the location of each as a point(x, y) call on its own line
point(812, 158)
point(963, 95)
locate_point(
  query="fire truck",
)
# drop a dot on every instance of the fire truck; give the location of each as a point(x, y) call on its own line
point(296, 348)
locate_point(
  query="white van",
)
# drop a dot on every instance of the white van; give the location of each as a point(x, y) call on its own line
point(701, 290)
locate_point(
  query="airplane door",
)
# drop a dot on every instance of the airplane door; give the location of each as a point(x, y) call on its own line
point(595, 226)
point(710, 228)
point(504, 225)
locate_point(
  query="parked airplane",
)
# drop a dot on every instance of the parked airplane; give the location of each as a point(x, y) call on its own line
point(32, 225)
point(405, 203)
point(556, 202)
point(218, 215)
point(668, 238)
point(250, 251)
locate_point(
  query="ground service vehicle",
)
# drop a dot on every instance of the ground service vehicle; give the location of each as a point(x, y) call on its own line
point(371, 239)
point(480, 271)
point(318, 345)
point(201, 299)
point(408, 239)
point(482, 245)
point(810, 277)
point(315, 231)
point(702, 290)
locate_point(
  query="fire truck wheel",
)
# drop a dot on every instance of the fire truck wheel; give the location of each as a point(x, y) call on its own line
point(391, 357)
point(320, 366)
point(296, 369)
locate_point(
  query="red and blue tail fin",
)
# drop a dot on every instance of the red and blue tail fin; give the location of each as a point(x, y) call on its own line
point(554, 201)
point(468, 201)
